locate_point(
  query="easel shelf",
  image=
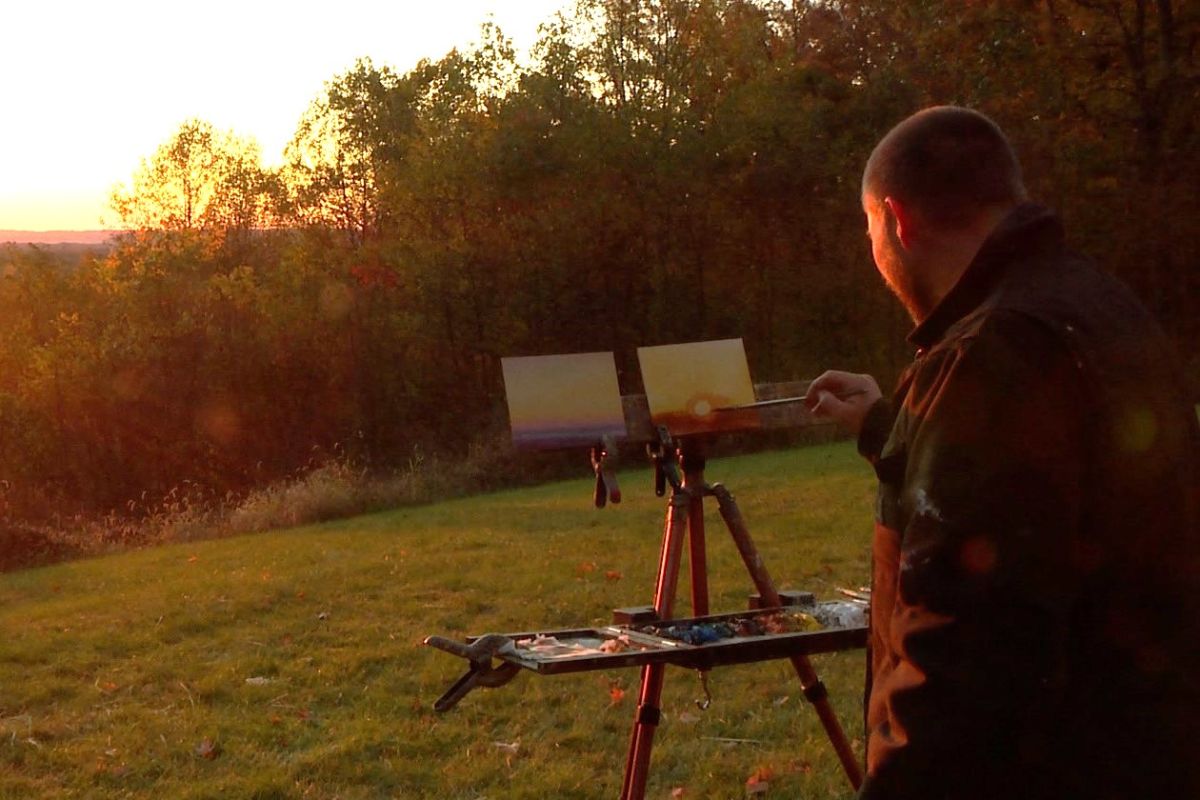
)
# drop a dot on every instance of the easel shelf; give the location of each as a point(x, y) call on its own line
point(648, 649)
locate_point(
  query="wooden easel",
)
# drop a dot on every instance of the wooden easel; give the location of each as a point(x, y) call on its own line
point(493, 661)
point(685, 516)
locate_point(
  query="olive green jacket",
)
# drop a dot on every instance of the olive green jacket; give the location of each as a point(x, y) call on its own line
point(1034, 617)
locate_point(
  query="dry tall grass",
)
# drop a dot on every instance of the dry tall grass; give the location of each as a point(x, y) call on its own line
point(331, 489)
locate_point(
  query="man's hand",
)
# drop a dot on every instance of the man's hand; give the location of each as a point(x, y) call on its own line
point(843, 397)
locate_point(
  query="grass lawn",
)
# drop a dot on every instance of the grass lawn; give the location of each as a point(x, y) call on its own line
point(289, 664)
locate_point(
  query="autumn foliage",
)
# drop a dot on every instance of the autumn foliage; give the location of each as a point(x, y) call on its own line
point(660, 171)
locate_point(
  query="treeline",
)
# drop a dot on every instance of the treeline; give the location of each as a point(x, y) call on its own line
point(661, 171)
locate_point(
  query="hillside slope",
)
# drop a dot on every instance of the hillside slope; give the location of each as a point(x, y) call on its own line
point(289, 664)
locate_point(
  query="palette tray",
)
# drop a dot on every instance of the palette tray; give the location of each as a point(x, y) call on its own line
point(664, 642)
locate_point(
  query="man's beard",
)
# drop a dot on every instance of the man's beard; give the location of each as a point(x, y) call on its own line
point(916, 299)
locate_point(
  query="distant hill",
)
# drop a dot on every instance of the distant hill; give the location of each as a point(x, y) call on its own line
point(55, 237)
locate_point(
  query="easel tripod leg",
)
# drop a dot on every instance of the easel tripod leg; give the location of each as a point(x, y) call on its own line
point(816, 694)
point(649, 713)
point(697, 550)
point(810, 683)
point(637, 765)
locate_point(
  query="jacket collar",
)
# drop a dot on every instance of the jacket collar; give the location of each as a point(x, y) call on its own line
point(1028, 231)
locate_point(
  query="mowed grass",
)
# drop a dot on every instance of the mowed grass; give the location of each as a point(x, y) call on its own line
point(289, 664)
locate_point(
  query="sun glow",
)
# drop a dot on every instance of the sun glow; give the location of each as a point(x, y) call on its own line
point(107, 83)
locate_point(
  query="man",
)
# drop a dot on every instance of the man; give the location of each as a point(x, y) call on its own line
point(1034, 616)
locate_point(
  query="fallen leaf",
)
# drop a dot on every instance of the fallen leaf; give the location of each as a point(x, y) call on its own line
point(323, 615)
point(612, 575)
point(676, 793)
point(615, 695)
point(258, 680)
point(760, 781)
point(755, 786)
point(586, 567)
point(778, 701)
point(208, 749)
point(193, 559)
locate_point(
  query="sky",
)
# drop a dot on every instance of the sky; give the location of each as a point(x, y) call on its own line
point(92, 87)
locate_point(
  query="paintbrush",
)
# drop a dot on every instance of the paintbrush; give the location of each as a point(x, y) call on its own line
point(785, 400)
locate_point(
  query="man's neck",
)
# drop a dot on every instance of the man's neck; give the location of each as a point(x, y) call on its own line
point(951, 252)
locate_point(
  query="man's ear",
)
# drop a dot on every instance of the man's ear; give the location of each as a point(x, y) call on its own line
point(904, 222)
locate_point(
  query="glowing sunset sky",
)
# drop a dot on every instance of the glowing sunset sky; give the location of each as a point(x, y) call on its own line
point(91, 88)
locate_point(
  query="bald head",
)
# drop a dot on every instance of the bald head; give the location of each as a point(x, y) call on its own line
point(948, 164)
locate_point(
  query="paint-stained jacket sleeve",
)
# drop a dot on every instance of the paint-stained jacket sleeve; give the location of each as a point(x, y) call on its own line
point(986, 472)
point(875, 429)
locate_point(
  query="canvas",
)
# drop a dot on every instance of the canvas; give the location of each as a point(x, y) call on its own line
point(563, 401)
point(687, 385)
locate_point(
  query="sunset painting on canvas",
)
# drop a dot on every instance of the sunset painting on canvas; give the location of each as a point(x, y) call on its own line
point(688, 385)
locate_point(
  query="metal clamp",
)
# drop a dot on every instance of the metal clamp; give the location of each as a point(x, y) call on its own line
point(606, 477)
point(665, 456)
point(482, 673)
point(704, 704)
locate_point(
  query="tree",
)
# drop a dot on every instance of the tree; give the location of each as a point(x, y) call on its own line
point(342, 144)
point(200, 179)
